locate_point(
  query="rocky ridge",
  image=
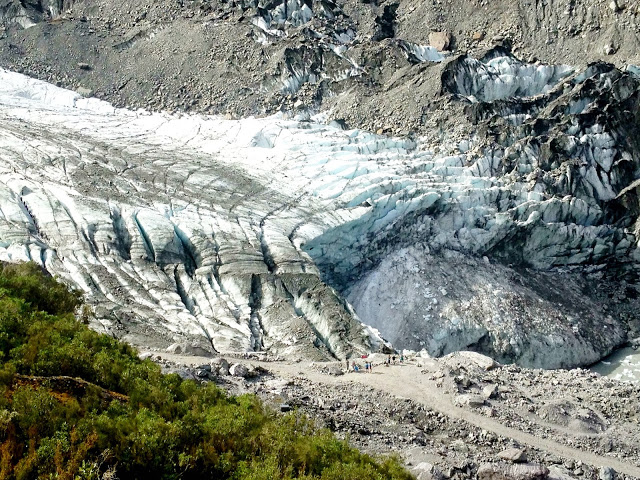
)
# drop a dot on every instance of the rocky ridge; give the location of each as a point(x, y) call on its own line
point(362, 60)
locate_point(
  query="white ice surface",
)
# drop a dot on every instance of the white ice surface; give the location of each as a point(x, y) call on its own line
point(504, 77)
point(185, 220)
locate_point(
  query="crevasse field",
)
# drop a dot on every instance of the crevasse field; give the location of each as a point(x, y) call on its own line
point(252, 234)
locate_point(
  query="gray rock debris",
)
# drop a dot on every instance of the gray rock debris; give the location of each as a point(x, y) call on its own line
point(506, 471)
point(515, 455)
point(221, 366)
point(607, 473)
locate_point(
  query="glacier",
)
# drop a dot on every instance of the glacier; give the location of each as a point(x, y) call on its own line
point(285, 234)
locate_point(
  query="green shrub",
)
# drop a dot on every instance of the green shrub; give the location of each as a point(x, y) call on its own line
point(130, 420)
point(29, 282)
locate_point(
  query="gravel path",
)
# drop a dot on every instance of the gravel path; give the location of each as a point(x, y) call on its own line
point(397, 403)
point(407, 381)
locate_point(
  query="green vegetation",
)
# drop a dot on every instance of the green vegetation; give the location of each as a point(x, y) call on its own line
point(125, 419)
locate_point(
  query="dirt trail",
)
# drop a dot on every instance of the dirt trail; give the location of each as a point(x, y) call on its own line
point(407, 381)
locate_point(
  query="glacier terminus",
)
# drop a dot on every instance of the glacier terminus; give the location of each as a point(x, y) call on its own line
point(292, 235)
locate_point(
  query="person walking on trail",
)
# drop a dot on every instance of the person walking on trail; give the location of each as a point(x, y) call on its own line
point(394, 359)
point(370, 367)
point(401, 358)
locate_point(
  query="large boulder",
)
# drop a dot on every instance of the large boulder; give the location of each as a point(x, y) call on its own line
point(220, 365)
point(607, 473)
point(239, 370)
point(440, 40)
point(515, 455)
point(469, 400)
point(427, 471)
point(506, 471)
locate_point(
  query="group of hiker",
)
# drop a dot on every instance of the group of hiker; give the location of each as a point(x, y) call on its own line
point(368, 365)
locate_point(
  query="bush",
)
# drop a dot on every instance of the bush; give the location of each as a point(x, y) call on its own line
point(130, 420)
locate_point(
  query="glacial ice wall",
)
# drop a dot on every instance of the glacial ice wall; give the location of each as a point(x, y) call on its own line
point(499, 75)
point(242, 235)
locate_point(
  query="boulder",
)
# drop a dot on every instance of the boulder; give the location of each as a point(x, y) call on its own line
point(255, 371)
point(85, 92)
point(176, 348)
point(239, 370)
point(469, 400)
point(490, 391)
point(420, 439)
point(610, 49)
point(220, 365)
point(463, 381)
point(427, 471)
point(515, 455)
point(607, 473)
point(469, 360)
point(440, 40)
point(507, 471)
point(557, 472)
point(202, 373)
